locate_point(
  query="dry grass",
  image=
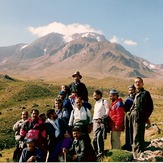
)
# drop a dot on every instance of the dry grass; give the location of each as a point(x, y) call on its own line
point(9, 100)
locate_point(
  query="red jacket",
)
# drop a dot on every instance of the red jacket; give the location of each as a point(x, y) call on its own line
point(116, 115)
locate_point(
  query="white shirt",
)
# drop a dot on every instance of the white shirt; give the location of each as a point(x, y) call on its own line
point(80, 114)
point(101, 108)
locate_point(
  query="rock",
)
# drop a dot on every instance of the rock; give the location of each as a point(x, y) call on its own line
point(154, 152)
point(152, 131)
point(0, 154)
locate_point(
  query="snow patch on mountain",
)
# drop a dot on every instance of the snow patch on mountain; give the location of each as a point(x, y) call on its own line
point(24, 46)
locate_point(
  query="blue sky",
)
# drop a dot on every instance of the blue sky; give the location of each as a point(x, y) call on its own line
point(135, 24)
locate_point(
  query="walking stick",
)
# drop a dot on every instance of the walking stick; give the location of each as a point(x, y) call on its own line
point(64, 153)
point(47, 156)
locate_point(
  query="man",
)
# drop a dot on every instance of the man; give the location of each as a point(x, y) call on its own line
point(66, 103)
point(34, 128)
point(16, 128)
point(81, 116)
point(57, 135)
point(61, 112)
point(140, 112)
point(101, 109)
point(127, 105)
point(78, 86)
point(31, 153)
point(116, 115)
point(77, 152)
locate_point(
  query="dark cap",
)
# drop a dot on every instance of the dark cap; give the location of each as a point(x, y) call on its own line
point(131, 86)
point(62, 93)
point(76, 128)
point(30, 140)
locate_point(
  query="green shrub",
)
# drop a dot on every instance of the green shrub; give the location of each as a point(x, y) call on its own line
point(116, 155)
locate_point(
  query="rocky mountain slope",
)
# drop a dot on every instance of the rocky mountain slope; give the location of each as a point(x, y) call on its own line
point(92, 54)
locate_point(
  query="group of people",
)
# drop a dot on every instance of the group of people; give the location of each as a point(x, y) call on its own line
point(63, 133)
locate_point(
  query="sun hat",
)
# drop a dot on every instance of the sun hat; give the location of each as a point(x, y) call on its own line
point(76, 73)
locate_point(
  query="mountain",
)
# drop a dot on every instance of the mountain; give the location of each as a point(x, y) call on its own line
point(51, 56)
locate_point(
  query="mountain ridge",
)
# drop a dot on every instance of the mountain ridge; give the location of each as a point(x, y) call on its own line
point(89, 52)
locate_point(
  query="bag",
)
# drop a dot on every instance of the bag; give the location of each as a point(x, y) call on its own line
point(34, 134)
point(105, 121)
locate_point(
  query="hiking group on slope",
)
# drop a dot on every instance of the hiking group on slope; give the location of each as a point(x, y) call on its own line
point(63, 133)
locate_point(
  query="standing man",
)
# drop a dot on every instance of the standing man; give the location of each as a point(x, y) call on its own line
point(101, 109)
point(116, 115)
point(16, 128)
point(127, 105)
point(140, 112)
point(81, 116)
point(78, 86)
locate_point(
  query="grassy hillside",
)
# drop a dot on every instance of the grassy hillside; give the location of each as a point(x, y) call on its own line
point(15, 94)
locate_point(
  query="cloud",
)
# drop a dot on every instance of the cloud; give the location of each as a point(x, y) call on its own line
point(130, 43)
point(114, 39)
point(66, 30)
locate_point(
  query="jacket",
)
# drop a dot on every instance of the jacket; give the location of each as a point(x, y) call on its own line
point(35, 130)
point(81, 90)
point(144, 105)
point(116, 115)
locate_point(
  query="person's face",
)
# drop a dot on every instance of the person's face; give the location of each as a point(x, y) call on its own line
point(24, 115)
point(53, 116)
point(30, 146)
point(63, 88)
point(34, 115)
point(131, 91)
point(57, 105)
point(76, 135)
point(96, 96)
point(61, 97)
point(138, 83)
point(78, 103)
point(76, 78)
point(113, 97)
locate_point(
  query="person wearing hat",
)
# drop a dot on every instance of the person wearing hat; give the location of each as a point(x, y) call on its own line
point(66, 103)
point(78, 86)
point(31, 153)
point(127, 105)
point(116, 114)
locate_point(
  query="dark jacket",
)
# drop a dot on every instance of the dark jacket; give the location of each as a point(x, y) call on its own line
point(128, 103)
point(144, 105)
point(81, 90)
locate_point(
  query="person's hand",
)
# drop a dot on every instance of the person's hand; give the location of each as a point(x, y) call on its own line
point(31, 159)
point(128, 115)
point(64, 150)
point(74, 157)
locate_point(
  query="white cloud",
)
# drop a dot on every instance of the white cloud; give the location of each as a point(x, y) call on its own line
point(114, 39)
point(130, 43)
point(66, 30)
